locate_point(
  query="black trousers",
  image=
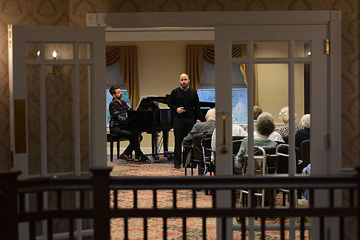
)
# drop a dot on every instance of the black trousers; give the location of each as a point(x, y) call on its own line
point(182, 126)
point(126, 134)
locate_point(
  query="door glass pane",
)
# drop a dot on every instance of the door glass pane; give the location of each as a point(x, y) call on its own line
point(84, 86)
point(271, 95)
point(239, 50)
point(33, 51)
point(302, 49)
point(84, 51)
point(271, 50)
point(302, 110)
point(59, 51)
point(33, 119)
point(59, 119)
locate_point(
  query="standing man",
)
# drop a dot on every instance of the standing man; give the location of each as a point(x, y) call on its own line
point(184, 102)
point(118, 109)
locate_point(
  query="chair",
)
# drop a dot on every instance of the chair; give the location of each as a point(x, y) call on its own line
point(305, 153)
point(200, 151)
point(259, 169)
point(286, 139)
point(111, 138)
point(282, 159)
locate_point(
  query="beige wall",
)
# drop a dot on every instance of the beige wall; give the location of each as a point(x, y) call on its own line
point(273, 81)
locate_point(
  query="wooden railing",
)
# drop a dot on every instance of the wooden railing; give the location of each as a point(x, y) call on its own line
point(105, 203)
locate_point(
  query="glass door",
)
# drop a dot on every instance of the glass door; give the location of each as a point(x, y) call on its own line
point(56, 123)
point(284, 66)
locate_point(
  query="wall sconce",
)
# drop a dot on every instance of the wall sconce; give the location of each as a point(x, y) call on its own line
point(54, 54)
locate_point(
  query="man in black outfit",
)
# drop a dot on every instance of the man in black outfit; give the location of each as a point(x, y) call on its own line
point(118, 109)
point(184, 102)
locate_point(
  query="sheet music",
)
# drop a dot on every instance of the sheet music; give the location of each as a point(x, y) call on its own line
point(143, 97)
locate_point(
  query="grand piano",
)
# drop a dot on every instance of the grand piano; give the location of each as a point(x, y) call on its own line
point(150, 118)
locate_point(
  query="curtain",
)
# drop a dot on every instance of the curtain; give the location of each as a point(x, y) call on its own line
point(195, 54)
point(127, 55)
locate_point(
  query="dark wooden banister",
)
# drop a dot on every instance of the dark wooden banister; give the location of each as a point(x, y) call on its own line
point(13, 190)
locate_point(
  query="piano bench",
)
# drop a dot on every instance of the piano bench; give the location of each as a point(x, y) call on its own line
point(111, 138)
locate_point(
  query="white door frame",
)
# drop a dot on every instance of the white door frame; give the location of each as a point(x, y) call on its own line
point(19, 36)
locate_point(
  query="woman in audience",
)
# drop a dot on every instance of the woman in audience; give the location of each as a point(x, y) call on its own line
point(303, 134)
point(264, 127)
point(284, 116)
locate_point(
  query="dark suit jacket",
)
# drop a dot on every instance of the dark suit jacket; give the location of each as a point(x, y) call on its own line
point(201, 127)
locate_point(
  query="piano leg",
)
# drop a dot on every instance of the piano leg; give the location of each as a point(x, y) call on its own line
point(154, 143)
point(136, 145)
point(166, 140)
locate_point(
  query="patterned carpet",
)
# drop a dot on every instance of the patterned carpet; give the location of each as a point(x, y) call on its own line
point(163, 167)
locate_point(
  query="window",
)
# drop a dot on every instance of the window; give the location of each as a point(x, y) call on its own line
point(206, 90)
point(239, 102)
point(109, 98)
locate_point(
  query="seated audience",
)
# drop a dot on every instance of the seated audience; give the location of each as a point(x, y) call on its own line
point(201, 127)
point(257, 112)
point(207, 126)
point(264, 127)
point(303, 134)
point(237, 130)
point(284, 116)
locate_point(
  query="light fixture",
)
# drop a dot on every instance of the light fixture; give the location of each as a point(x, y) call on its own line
point(38, 53)
point(54, 54)
point(309, 53)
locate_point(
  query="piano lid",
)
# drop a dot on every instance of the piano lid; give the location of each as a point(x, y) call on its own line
point(151, 102)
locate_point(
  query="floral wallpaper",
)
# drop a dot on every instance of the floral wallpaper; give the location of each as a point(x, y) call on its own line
point(73, 12)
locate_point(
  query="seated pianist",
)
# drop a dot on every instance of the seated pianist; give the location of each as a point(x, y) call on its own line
point(118, 121)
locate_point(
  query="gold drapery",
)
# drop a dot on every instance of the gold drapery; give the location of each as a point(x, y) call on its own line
point(127, 55)
point(195, 54)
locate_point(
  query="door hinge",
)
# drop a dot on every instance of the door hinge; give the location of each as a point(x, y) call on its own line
point(327, 141)
point(327, 46)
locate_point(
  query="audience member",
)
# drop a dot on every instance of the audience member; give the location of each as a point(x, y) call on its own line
point(303, 134)
point(257, 112)
point(207, 126)
point(284, 116)
point(264, 127)
point(237, 130)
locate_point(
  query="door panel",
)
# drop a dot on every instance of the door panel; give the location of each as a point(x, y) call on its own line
point(57, 100)
point(278, 70)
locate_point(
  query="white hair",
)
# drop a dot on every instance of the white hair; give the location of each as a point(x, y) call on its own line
point(284, 114)
point(305, 121)
point(211, 115)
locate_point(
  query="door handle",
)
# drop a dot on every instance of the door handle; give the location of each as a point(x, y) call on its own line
point(223, 150)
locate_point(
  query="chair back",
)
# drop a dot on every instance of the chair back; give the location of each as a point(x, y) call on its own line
point(286, 139)
point(282, 161)
point(197, 153)
point(236, 145)
point(305, 152)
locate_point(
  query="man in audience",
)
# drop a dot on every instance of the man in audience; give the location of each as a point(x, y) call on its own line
point(303, 134)
point(184, 103)
point(284, 116)
point(264, 127)
point(201, 127)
